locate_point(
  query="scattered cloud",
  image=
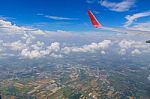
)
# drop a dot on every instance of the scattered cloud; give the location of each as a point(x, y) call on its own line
point(56, 17)
point(132, 18)
point(125, 5)
point(134, 46)
point(59, 18)
point(135, 52)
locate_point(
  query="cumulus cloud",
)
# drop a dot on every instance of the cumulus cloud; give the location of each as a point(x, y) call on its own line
point(132, 18)
point(9, 28)
point(30, 54)
point(125, 5)
point(56, 55)
point(54, 47)
point(135, 51)
point(131, 44)
point(38, 46)
point(36, 50)
point(103, 52)
point(40, 49)
point(17, 45)
point(125, 44)
point(55, 50)
point(89, 48)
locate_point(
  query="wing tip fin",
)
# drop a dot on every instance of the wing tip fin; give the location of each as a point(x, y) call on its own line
point(93, 19)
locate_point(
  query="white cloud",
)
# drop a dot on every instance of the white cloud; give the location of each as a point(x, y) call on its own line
point(30, 54)
point(138, 46)
point(54, 47)
point(59, 18)
point(17, 45)
point(104, 44)
point(40, 49)
point(56, 55)
point(103, 52)
point(55, 50)
point(28, 37)
point(135, 52)
point(122, 51)
point(125, 44)
point(38, 46)
point(36, 50)
point(141, 27)
point(89, 48)
point(132, 18)
point(56, 17)
point(9, 28)
point(125, 5)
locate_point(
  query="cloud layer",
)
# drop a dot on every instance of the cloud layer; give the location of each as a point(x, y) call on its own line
point(59, 18)
point(32, 43)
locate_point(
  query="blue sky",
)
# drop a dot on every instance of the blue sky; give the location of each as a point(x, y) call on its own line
point(70, 15)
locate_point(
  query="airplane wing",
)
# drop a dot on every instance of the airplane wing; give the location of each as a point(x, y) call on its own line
point(93, 19)
point(96, 24)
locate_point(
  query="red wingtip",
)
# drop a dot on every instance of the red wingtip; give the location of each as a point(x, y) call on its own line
point(93, 19)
